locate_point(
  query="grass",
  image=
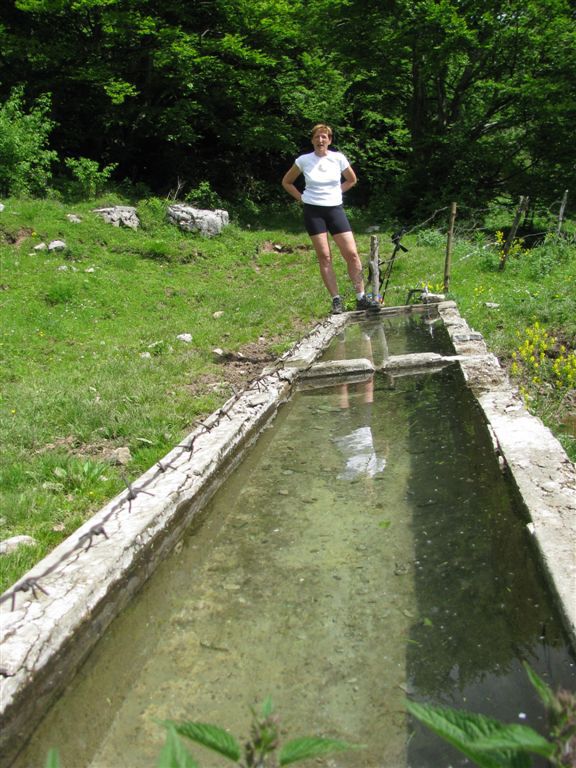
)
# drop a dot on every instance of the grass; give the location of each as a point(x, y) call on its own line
point(92, 361)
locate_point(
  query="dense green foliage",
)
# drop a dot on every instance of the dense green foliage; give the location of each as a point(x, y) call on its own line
point(25, 160)
point(457, 99)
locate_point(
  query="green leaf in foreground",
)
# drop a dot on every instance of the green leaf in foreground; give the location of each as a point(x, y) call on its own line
point(53, 759)
point(306, 748)
point(489, 743)
point(174, 754)
point(267, 707)
point(546, 695)
point(517, 737)
point(211, 736)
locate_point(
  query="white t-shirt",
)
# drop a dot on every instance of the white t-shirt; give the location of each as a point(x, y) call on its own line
point(323, 176)
point(361, 458)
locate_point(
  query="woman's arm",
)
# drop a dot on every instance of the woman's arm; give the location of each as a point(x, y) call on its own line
point(288, 182)
point(350, 179)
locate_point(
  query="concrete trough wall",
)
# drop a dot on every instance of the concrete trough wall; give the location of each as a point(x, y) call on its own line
point(52, 618)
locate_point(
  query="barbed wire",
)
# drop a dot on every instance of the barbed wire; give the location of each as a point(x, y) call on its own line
point(86, 541)
point(474, 217)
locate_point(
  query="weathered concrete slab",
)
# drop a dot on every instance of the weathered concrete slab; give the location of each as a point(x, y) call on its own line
point(414, 360)
point(483, 372)
point(338, 369)
point(397, 366)
point(302, 356)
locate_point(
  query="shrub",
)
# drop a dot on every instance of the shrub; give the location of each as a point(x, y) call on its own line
point(204, 196)
point(90, 179)
point(25, 160)
point(541, 359)
point(431, 238)
point(545, 257)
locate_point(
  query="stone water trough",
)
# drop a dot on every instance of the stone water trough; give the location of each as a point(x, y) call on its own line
point(52, 618)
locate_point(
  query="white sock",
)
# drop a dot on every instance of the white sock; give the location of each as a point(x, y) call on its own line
point(360, 295)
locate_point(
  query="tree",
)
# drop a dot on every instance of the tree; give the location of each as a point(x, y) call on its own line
point(25, 160)
point(431, 99)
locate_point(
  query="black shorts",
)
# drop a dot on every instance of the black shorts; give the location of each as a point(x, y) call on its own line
point(325, 218)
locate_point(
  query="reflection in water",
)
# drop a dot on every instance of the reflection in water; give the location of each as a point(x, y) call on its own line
point(368, 547)
point(357, 441)
point(481, 602)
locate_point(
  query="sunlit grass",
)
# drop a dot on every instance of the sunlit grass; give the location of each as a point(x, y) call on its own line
point(92, 359)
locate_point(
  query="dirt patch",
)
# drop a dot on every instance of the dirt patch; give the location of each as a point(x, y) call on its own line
point(239, 368)
point(241, 371)
point(269, 247)
point(15, 238)
point(104, 450)
point(67, 443)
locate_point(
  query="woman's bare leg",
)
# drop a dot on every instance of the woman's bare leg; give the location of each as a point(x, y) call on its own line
point(347, 246)
point(324, 254)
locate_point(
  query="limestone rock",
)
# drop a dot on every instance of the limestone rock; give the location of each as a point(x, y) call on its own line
point(11, 545)
point(121, 456)
point(57, 245)
point(207, 223)
point(119, 215)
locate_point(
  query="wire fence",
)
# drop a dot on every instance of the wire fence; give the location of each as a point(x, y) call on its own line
point(473, 220)
point(469, 223)
point(98, 532)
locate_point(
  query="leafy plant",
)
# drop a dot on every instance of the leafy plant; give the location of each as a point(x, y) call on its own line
point(203, 195)
point(493, 744)
point(25, 160)
point(541, 359)
point(52, 760)
point(431, 238)
point(79, 474)
point(260, 751)
point(516, 249)
point(554, 250)
point(90, 179)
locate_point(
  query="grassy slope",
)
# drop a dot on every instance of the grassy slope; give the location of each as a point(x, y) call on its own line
point(92, 359)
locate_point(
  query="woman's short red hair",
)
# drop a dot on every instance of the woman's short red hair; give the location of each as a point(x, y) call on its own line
point(322, 127)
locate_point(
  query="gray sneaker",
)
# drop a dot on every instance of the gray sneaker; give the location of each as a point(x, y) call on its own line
point(367, 304)
point(337, 306)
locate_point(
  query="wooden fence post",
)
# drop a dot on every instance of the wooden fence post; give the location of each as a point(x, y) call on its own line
point(448, 260)
point(561, 214)
point(374, 259)
point(522, 206)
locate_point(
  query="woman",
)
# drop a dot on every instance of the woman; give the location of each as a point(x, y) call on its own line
point(323, 170)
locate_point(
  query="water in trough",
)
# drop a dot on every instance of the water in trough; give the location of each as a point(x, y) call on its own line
point(368, 549)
